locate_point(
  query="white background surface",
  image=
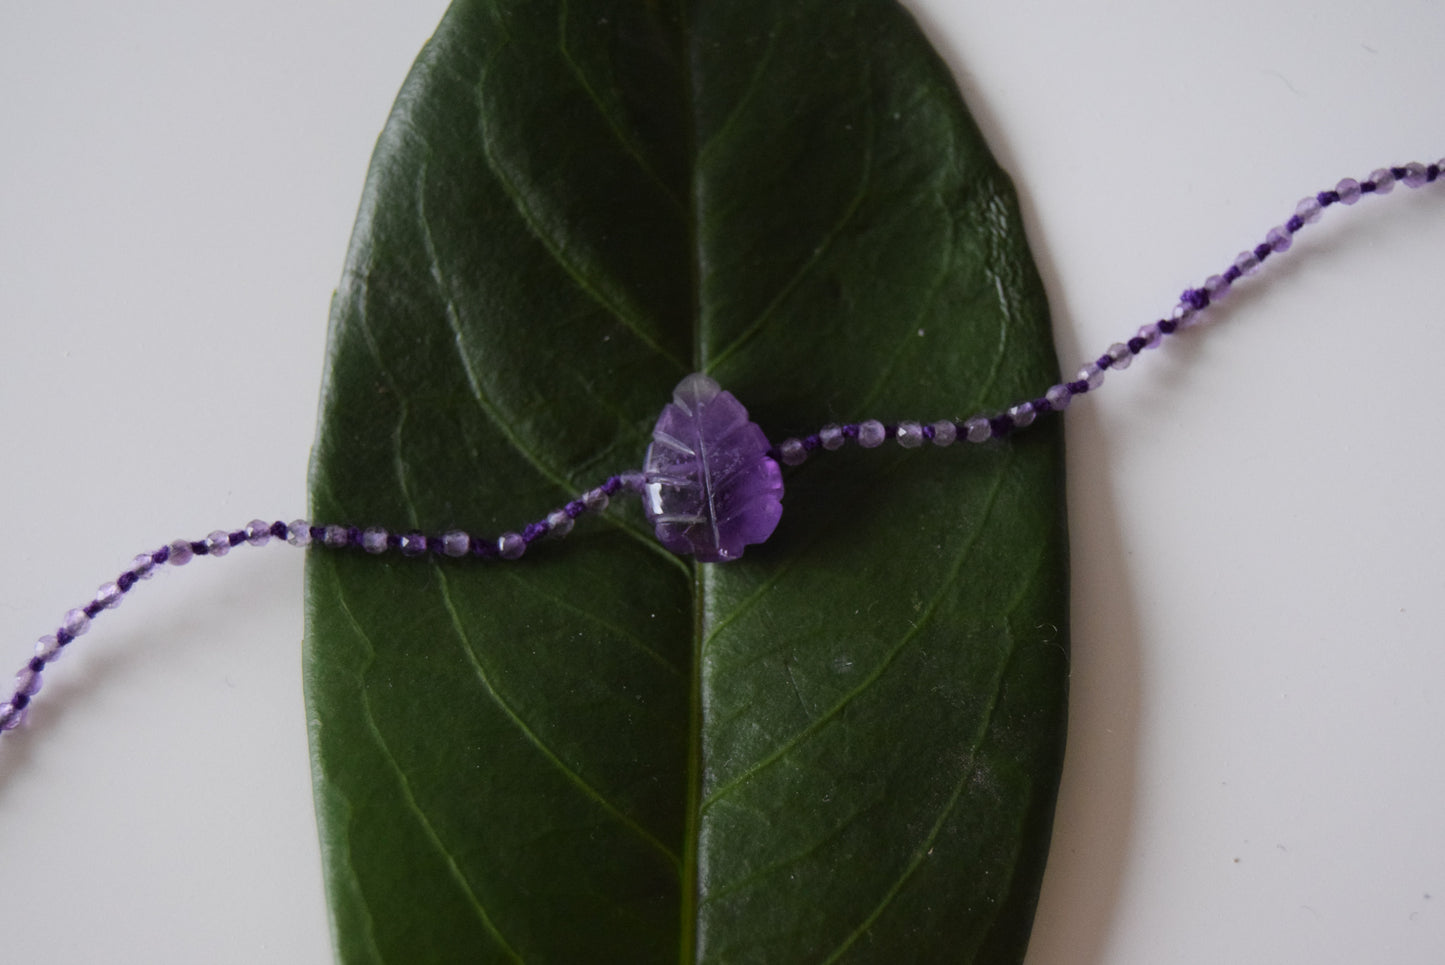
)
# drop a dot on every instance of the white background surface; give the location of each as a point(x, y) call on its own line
point(1253, 771)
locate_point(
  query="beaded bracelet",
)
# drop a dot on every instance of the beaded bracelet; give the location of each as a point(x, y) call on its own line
point(711, 482)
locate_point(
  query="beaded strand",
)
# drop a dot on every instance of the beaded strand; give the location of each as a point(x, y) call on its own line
point(302, 533)
point(792, 451)
point(983, 427)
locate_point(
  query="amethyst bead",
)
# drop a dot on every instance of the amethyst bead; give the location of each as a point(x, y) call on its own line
point(1023, 414)
point(1151, 334)
point(218, 543)
point(793, 452)
point(298, 533)
point(511, 546)
point(977, 429)
point(711, 488)
point(181, 553)
point(47, 647)
point(871, 434)
point(1247, 263)
point(559, 523)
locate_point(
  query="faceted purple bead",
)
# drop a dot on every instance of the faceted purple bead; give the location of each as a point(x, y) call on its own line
point(710, 487)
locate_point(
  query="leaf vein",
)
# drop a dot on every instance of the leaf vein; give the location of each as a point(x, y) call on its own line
point(533, 738)
point(625, 315)
point(877, 673)
point(627, 143)
point(850, 210)
point(408, 795)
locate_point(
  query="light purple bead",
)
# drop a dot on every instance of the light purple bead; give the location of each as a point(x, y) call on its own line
point(1022, 414)
point(75, 623)
point(944, 433)
point(1278, 239)
point(871, 434)
point(336, 537)
point(1349, 190)
point(1384, 180)
point(1091, 374)
point(1247, 263)
point(1308, 210)
point(47, 647)
point(511, 546)
point(1217, 286)
point(1415, 174)
point(413, 544)
point(792, 452)
point(712, 489)
point(1058, 397)
point(831, 436)
point(218, 543)
point(28, 682)
point(595, 500)
point(559, 524)
point(1151, 335)
point(977, 429)
point(109, 596)
point(456, 544)
point(258, 532)
point(910, 435)
point(143, 567)
point(373, 540)
point(298, 533)
point(1119, 356)
point(181, 553)
point(11, 716)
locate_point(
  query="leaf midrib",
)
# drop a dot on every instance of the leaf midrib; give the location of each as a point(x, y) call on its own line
point(688, 886)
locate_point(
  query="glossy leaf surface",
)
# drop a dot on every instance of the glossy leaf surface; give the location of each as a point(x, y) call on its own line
point(845, 746)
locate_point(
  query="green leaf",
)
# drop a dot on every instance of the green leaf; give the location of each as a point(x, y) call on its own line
point(845, 746)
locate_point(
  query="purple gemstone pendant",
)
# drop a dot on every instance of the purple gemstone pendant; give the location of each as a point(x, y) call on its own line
point(710, 487)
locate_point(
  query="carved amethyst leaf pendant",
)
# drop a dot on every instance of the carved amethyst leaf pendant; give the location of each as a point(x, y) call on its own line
point(710, 487)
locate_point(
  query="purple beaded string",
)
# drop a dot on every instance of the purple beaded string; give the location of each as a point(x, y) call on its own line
point(983, 427)
point(868, 434)
point(300, 532)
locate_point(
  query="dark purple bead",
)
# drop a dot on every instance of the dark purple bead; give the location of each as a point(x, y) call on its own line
point(711, 488)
